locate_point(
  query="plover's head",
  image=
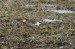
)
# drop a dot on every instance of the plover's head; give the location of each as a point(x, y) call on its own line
point(38, 23)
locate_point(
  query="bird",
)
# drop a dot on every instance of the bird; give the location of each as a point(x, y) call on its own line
point(37, 23)
point(29, 22)
point(33, 22)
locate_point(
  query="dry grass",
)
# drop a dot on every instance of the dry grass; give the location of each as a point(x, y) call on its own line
point(17, 35)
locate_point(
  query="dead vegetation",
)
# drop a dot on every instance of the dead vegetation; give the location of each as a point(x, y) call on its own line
point(17, 35)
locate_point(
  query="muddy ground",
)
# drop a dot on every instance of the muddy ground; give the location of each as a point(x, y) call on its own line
point(15, 34)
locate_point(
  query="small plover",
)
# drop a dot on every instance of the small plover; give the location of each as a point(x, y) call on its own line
point(30, 22)
point(37, 23)
point(33, 22)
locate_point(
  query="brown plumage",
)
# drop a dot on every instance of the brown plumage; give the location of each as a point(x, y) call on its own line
point(29, 22)
point(22, 19)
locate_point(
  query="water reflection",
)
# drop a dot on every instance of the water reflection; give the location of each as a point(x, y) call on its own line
point(30, 5)
point(61, 11)
point(40, 4)
point(48, 4)
point(51, 20)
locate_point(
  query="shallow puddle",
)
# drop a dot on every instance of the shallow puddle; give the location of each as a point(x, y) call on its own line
point(48, 4)
point(51, 20)
point(61, 11)
point(40, 4)
point(30, 5)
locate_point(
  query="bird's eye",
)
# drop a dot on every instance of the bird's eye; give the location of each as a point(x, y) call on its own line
point(40, 22)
